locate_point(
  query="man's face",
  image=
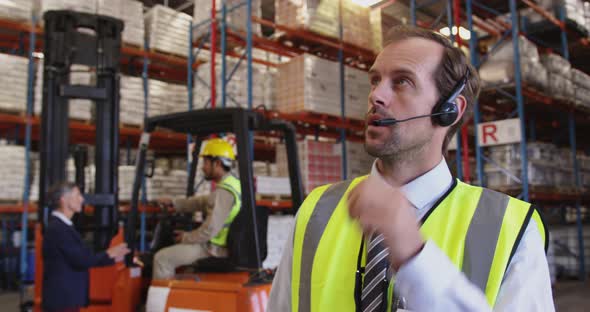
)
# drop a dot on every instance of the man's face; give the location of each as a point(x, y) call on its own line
point(73, 200)
point(402, 86)
point(208, 169)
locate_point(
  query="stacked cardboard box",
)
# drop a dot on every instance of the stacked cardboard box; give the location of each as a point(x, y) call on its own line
point(560, 83)
point(279, 229)
point(320, 163)
point(237, 18)
point(20, 10)
point(266, 185)
point(358, 162)
point(564, 244)
point(322, 16)
point(130, 12)
point(131, 106)
point(168, 184)
point(12, 182)
point(42, 6)
point(310, 83)
point(263, 81)
point(574, 11)
point(499, 68)
point(167, 30)
point(14, 74)
point(132, 15)
point(548, 166)
point(78, 108)
point(165, 98)
point(177, 97)
point(126, 178)
point(581, 82)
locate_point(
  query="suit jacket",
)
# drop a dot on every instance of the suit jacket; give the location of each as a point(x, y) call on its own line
point(66, 260)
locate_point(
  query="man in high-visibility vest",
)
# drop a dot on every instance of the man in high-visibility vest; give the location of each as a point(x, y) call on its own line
point(409, 236)
point(221, 207)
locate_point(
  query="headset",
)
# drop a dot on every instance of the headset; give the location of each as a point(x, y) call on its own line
point(444, 113)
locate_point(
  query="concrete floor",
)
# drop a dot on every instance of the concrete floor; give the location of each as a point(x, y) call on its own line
point(569, 296)
point(572, 296)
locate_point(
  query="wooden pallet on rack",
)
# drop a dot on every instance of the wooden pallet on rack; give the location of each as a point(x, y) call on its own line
point(273, 197)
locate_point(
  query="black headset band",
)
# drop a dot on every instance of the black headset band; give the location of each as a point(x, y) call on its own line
point(457, 89)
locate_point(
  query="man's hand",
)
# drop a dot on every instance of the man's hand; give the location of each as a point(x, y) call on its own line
point(381, 208)
point(178, 235)
point(118, 252)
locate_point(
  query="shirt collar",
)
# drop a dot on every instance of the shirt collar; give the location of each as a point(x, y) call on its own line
point(426, 189)
point(62, 217)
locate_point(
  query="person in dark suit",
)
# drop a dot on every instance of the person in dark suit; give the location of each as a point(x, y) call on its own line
point(66, 258)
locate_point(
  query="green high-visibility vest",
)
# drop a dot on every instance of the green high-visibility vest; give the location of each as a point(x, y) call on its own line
point(232, 185)
point(477, 228)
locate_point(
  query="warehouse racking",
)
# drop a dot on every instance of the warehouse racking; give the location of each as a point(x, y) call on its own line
point(537, 110)
point(22, 38)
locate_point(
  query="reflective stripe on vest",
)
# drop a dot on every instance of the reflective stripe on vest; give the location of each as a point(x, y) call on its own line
point(232, 185)
point(478, 229)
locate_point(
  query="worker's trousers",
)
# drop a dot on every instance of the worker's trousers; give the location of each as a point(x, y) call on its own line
point(168, 259)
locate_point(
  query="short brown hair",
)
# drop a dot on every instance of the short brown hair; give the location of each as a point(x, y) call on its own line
point(453, 66)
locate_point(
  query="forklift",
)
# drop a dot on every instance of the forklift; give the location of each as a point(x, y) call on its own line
point(236, 283)
point(95, 41)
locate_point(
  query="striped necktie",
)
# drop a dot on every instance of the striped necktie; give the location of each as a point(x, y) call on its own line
point(375, 273)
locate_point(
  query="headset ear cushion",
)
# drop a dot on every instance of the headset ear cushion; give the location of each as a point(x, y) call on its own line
point(451, 113)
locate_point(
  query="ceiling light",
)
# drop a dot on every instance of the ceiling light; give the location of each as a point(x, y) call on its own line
point(463, 32)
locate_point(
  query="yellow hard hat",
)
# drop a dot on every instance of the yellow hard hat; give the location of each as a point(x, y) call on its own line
point(218, 148)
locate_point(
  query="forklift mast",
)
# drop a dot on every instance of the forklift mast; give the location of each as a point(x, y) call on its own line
point(92, 40)
point(240, 122)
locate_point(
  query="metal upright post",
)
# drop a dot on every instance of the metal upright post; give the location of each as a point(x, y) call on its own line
point(458, 155)
point(342, 94)
point(189, 66)
point(476, 112)
point(573, 144)
point(27, 188)
point(450, 22)
point(249, 67)
point(146, 105)
point(564, 47)
point(520, 101)
point(249, 50)
point(581, 256)
point(190, 80)
point(223, 52)
point(413, 12)
point(213, 50)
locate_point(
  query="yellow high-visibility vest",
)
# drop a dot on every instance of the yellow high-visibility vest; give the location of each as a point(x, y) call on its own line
point(232, 185)
point(477, 228)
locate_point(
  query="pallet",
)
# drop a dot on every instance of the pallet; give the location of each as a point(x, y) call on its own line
point(132, 46)
point(13, 111)
point(128, 125)
point(273, 197)
point(299, 40)
point(569, 190)
point(305, 116)
point(168, 53)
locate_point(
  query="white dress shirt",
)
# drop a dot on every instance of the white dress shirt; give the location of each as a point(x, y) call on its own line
point(62, 217)
point(431, 282)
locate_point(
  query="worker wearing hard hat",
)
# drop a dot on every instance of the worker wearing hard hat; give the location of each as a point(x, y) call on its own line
point(221, 207)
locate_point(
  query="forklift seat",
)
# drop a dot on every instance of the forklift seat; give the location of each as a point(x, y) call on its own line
point(241, 245)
